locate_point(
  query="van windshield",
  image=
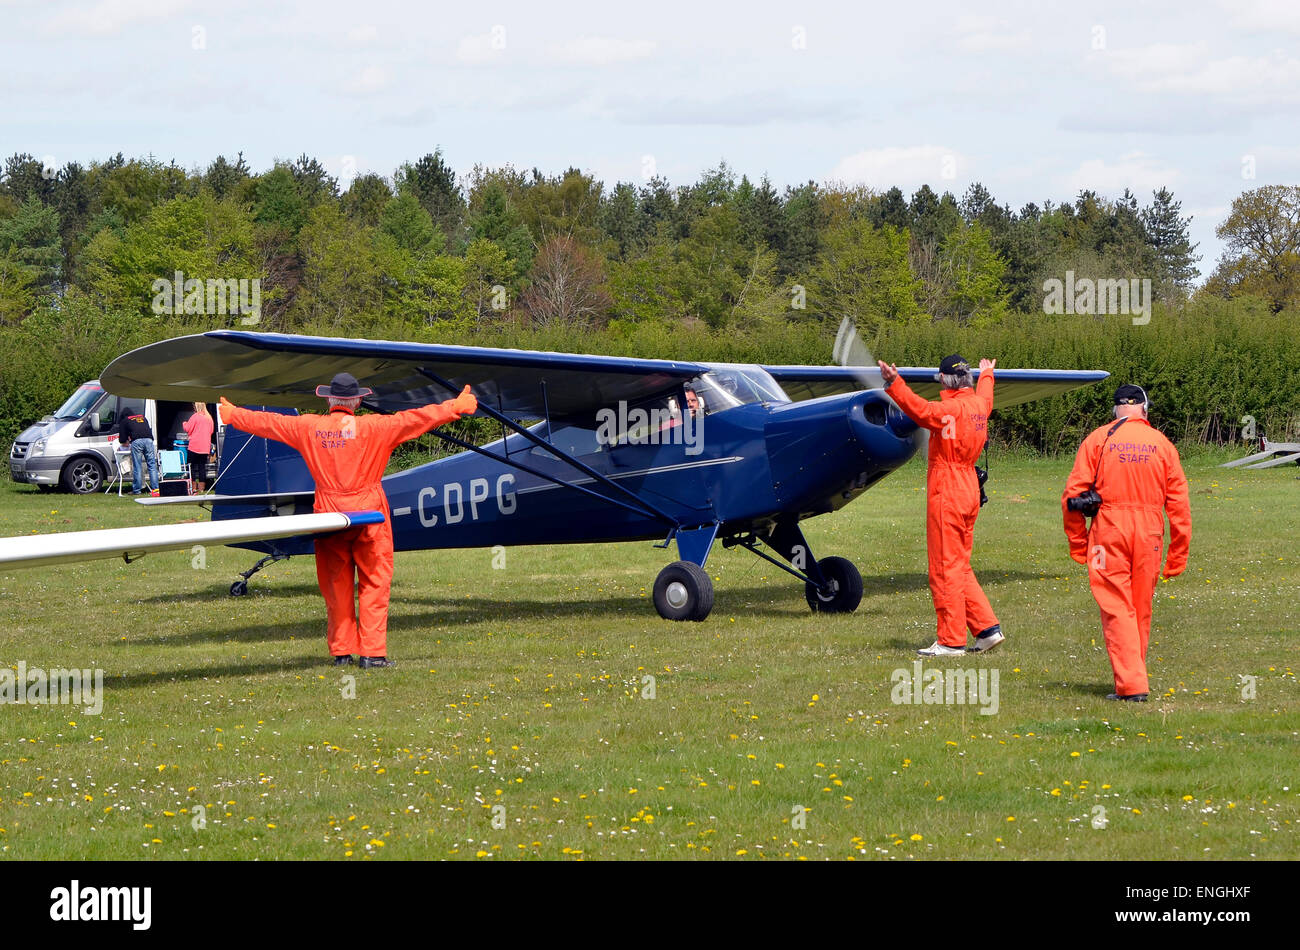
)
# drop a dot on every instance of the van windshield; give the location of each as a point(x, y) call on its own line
point(79, 403)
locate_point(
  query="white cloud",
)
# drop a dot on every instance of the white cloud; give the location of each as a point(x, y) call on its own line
point(110, 16)
point(1139, 172)
point(752, 108)
point(1265, 16)
point(1186, 70)
point(370, 80)
point(907, 167)
point(482, 47)
point(364, 35)
point(983, 34)
point(602, 50)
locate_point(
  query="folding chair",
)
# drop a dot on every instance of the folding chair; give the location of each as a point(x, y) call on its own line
point(122, 462)
point(172, 467)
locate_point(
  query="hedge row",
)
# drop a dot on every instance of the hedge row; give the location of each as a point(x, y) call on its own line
point(1205, 367)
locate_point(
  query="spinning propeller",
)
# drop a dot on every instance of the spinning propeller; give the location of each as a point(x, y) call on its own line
point(851, 350)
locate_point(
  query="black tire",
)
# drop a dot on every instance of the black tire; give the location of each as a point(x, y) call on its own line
point(83, 475)
point(683, 591)
point(239, 588)
point(846, 587)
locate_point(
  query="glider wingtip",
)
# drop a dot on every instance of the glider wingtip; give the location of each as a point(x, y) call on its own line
point(364, 517)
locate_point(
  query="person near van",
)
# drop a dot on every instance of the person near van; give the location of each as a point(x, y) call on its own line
point(135, 432)
point(199, 428)
point(346, 455)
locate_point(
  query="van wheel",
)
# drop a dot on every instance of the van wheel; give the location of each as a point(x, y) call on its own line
point(83, 476)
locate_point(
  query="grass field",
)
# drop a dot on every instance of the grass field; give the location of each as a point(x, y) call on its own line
point(771, 732)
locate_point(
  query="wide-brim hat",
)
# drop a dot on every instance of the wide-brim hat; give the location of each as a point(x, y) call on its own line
point(343, 386)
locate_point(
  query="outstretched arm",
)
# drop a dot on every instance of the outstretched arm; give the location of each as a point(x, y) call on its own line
point(921, 411)
point(984, 387)
point(408, 424)
point(268, 425)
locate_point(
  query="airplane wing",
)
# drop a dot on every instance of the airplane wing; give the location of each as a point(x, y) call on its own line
point(1012, 386)
point(274, 499)
point(281, 369)
point(38, 550)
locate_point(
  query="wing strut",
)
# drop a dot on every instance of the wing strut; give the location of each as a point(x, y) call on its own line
point(643, 507)
point(540, 474)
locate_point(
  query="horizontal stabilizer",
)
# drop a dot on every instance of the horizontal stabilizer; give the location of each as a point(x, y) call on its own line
point(130, 543)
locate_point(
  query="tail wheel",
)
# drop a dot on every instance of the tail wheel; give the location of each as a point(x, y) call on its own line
point(239, 588)
point(683, 591)
point(844, 590)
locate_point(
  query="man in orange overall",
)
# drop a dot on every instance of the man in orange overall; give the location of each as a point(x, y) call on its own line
point(958, 424)
point(346, 455)
point(1137, 474)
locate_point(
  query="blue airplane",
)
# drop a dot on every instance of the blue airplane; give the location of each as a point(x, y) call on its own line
point(592, 448)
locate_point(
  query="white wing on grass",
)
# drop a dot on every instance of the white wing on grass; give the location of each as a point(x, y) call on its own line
point(130, 543)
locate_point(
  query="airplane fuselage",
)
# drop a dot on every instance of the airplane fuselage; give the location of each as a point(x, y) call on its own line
point(754, 463)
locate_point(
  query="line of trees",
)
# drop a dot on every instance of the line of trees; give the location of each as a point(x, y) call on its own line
point(723, 269)
point(430, 248)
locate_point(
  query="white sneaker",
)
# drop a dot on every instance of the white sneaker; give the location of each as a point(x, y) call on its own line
point(987, 641)
point(938, 649)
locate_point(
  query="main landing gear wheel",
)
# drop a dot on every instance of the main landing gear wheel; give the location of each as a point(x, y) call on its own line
point(683, 591)
point(239, 588)
point(844, 592)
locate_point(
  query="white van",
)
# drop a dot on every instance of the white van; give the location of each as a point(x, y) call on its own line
point(75, 446)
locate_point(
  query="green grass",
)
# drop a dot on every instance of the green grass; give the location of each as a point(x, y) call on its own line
point(523, 688)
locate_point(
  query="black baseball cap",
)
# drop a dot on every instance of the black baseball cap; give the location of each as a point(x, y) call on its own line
point(343, 386)
point(954, 364)
point(1130, 395)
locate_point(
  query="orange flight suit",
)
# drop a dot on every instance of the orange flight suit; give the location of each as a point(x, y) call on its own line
point(958, 425)
point(346, 455)
point(1139, 479)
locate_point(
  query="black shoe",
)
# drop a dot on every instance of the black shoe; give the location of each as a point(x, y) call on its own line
point(1135, 698)
point(366, 662)
point(344, 660)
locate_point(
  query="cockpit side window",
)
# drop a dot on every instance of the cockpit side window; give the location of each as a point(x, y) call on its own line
point(574, 440)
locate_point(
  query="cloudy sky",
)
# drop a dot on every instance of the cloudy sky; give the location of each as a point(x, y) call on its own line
point(1035, 100)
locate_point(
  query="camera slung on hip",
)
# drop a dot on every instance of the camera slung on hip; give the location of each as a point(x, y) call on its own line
point(1086, 504)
